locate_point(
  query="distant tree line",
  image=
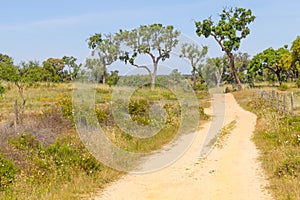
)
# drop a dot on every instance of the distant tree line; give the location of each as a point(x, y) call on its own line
point(276, 64)
point(157, 42)
point(271, 65)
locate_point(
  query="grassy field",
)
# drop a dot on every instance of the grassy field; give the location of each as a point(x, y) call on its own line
point(43, 157)
point(277, 136)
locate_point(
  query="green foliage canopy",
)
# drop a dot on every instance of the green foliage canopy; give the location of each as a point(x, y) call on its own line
point(296, 53)
point(155, 40)
point(95, 67)
point(231, 28)
point(214, 70)
point(195, 56)
point(107, 49)
point(113, 78)
point(55, 67)
point(73, 67)
point(278, 61)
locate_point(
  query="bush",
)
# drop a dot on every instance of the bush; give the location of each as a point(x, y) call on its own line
point(140, 107)
point(62, 154)
point(139, 111)
point(113, 78)
point(298, 83)
point(25, 141)
point(203, 115)
point(201, 86)
point(102, 115)
point(7, 172)
point(289, 168)
point(66, 156)
point(2, 90)
point(89, 164)
point(283, 87)
point(227, 90)
point(65, 105)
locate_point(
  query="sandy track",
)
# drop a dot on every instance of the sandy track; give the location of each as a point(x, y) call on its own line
point(231, 172)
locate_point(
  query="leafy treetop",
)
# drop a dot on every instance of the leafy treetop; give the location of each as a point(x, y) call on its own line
point(154, 40)
point(230, 30)
point(195, 56)
point(296, 53)
point(55, 66)
point(107, 50)
point(146, 39)
point(73, 67)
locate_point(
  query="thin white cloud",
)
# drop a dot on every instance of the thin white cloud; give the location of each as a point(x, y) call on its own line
point(107, 16)
point(99, 17)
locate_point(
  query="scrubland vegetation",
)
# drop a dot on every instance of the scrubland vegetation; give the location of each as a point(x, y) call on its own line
point(43, 157)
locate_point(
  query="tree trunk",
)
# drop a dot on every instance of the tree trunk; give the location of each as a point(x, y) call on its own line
point(195, 79)
point(21, 93)
point(104, 75)
point(153, 76)
point(21, 90)
point(234, 71)
point(16, 111)
point(279, 77)
point(218, 77)
point(71, 75)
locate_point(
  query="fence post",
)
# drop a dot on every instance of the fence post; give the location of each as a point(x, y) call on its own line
point(292, 103)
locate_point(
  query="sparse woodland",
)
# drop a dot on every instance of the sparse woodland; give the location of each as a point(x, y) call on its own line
point(41, 155)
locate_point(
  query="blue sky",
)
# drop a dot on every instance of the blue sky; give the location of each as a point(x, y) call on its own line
point(37, 30)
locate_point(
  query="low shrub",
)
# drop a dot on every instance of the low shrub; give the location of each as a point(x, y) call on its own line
point(140, 107)
point(298, 83)
point(24, 142)
point(103, 115)
point(201, 86)
point(290, 167)
point(7, 172)
point(67, 156)
point(66, 107)
point(2, 90)
point(283, 87)
point(57, 162)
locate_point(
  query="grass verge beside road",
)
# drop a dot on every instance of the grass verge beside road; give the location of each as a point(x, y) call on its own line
point(277, 136)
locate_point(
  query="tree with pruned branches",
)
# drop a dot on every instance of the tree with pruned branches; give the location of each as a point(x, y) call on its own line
point(155, 40)
point(231, 28)
point(195, 56)
point(107, 49)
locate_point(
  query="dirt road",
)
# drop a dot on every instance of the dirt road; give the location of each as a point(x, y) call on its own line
point(231, 172)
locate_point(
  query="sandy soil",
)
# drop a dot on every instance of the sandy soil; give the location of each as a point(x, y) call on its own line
point(231, 172)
